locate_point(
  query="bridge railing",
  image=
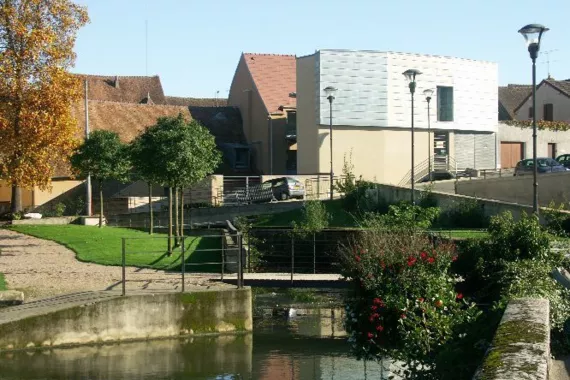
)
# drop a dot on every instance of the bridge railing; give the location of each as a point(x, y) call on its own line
point(188, 255)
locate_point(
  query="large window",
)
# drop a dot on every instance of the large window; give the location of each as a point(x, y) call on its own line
point(444, 103)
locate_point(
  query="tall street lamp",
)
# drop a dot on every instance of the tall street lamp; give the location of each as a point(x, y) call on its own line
point(428, 93)
point(532, 33)
point(330, 91)
point(411, 76)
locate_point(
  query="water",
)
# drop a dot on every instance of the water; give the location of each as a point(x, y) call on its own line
point(308, 345)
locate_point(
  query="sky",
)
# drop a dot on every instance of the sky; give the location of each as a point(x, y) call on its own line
point(195, 45)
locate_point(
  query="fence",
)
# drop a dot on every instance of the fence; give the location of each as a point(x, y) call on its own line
point(195, 251)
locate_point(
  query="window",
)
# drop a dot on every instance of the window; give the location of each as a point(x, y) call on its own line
point(242, 158)
point(549, 112)
point(530, 113)
point(444, 103)
point(291, 128)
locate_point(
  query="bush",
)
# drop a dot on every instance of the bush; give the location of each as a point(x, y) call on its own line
point(427, 197)
point(466, 214)
point(405, 306)
point(402, 216)
point(315, 218)
point(557, 221)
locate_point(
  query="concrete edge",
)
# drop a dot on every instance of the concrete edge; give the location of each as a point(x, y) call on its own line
point(521, 346)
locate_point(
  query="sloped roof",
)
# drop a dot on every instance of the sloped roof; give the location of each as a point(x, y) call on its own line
point(275, 77)
point(127, 89)
point(126, 119)
point(563, 86)
point(510, 98)
point(196, 102)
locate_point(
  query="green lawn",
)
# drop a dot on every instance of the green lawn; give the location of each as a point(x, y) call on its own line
point(462, 234)
point(2, 282)
point(103, 246)
point(339, 217)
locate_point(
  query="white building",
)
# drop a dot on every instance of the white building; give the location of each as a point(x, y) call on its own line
point(372, 113)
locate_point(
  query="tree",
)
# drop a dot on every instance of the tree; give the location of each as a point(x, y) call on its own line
point(105, 157)
point(143, 169)
point(176, 153)
point(37, 128)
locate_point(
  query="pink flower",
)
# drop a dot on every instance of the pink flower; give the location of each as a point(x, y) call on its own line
point(370, 335)
point(380, 328)
point(374, 307)
point(357, 258)
point(454, 258)
point(403, 316)
point(377, 301)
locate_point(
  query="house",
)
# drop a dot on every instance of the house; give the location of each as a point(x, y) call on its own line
point(263, 88)
point(125, 89)
point(371, 114)
point(515, 104)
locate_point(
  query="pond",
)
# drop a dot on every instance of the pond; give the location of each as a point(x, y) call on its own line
point(287, 343)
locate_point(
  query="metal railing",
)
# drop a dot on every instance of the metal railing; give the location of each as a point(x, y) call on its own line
point(436, 163)
point(185, 250)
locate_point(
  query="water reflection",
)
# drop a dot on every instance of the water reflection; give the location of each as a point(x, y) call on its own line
point(302, 347)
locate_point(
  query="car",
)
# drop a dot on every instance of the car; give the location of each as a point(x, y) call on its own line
point(284, 188)
point(564, 160)
point(545, 165)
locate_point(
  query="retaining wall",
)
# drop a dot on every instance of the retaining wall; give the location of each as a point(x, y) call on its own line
point(132, 317)
point(521, 346)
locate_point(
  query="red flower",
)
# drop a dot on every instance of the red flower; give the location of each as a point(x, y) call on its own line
point(382, 265)
point(380, 328)
point(374, 307)
point(377, 301)
point(439, 303)
point(375, 315)
point(459, 296)
point(423, 255)
point(403, 316)
point(357, 258)
point(371, 319)
point(454, 258)
point(430, 260)
point(411, 261)
point(370, 335)
point(421, 299)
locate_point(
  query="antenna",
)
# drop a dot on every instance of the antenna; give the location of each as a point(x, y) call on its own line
point(547, 53)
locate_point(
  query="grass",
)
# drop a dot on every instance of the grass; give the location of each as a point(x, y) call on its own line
point(2, 282)
point(103, 246)
point(339, 217)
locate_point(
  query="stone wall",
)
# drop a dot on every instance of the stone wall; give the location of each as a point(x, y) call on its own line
point(132, 317)
point(521, 346)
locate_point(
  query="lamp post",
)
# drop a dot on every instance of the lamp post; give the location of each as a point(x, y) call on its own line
point(428, 93)
point(330, 91)
point(411, 76)
point(532, 33)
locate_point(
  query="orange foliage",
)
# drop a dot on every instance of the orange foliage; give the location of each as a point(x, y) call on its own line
point(37, 129)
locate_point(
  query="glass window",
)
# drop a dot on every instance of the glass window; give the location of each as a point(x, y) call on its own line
point(444, 103)
point(549, 112)
point(242, 158)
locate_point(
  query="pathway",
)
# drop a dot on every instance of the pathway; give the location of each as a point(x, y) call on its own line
point(42, 268)
point(560, 369)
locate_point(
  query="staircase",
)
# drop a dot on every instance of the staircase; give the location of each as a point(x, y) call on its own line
point(439, 165)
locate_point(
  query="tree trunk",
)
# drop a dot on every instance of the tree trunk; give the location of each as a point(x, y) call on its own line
point(150, 228)
point(16, 204)
point(176, 219)
point(100, 203)
point(170, 221)
point(182, 212)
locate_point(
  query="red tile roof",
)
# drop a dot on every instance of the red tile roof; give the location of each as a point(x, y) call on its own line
point(275, 77)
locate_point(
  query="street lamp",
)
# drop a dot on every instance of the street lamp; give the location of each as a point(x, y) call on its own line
point(428, 93)
point(532, 33)
point(411, 77)
point(330, 91)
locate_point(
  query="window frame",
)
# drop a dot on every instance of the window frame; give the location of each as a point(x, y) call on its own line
point(445, 111)
point(238, 164)
point(548, 112)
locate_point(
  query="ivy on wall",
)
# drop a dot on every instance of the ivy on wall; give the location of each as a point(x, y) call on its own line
point(541, 124)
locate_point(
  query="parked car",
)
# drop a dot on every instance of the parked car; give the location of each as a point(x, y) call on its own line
point(284, 188)
point(545, 165)
point(564, 160)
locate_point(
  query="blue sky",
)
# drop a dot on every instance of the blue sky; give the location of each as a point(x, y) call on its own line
point(195, 45)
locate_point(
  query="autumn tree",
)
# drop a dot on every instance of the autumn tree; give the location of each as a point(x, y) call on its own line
point(37, 128)
point(104, 157)
point(176, 154)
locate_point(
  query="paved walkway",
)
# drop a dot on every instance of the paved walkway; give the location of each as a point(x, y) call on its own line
point(42, 268)
point(560, 369)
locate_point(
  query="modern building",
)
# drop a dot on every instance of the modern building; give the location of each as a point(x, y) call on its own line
point(263, 88)
point(372, 113)
point(515, 104)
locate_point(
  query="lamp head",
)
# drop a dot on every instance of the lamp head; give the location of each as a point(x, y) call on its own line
point(532, 34)
point(428, 93)
point(329, 92)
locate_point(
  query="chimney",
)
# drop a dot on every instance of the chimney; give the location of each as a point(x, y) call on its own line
point(116, 81)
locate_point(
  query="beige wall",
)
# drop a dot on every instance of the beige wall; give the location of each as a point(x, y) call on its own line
point(243, 94)
point(551, 187)
point(508, 133)
point(6, 195)
point(57, 188)
point(546, 94)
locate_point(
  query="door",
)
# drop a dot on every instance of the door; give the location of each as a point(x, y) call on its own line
point(440, 150)
point(552, 150)
point(511, 153)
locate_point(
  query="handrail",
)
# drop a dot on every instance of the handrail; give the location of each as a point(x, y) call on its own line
point(421, 170)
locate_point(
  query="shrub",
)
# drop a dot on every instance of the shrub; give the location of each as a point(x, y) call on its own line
point(427, 197)
point(347, 183)
point(557, 221)
point(255, 256)
point(405, 306)
point(315, 218)
point(466, 214)
point(402, 216)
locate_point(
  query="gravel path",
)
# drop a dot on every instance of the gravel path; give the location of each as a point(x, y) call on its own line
point(42, 268)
